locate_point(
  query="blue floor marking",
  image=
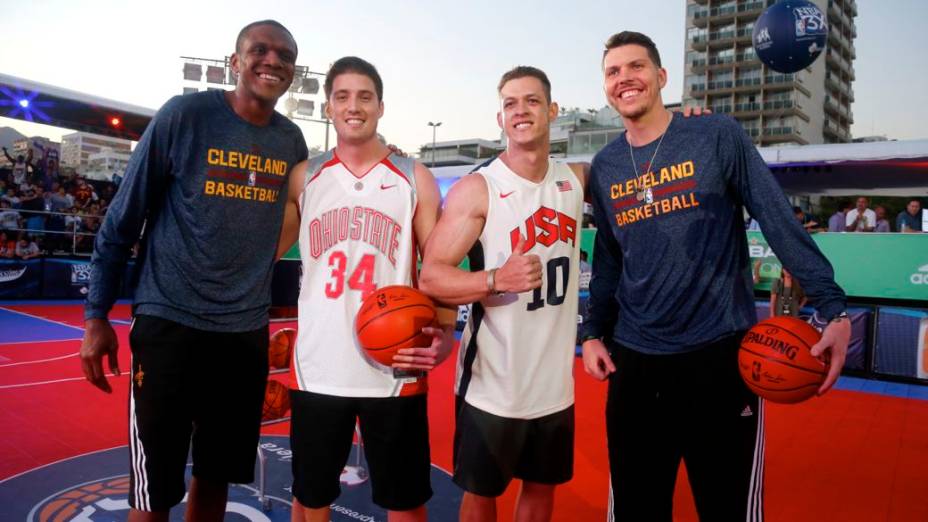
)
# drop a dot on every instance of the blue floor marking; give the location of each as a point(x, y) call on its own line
point(17, 327)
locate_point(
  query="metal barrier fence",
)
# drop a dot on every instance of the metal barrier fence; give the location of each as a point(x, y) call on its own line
point(72, 238)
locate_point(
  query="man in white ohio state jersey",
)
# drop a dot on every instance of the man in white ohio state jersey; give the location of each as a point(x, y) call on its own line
point(361, 214)
point(518, 217)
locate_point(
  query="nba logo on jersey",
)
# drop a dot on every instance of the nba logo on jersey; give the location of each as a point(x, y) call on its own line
point(252, 176)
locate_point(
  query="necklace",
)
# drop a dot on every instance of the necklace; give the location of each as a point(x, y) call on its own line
point(642, 194)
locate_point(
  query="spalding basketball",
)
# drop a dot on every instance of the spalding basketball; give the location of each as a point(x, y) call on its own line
point(392, 318)
point(280, 348)
point(790, 35)
point(776, 362)
point(276, 401)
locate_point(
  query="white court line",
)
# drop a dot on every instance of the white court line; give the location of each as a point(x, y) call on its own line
point(41, 318)
point(59, 462)
point(27, 384)
point(40, 360)
point(4, 343)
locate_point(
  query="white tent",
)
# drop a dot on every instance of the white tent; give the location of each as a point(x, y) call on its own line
point(884, 168)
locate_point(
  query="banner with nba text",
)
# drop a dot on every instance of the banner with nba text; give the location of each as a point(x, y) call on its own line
point(889, 266)
point(66, 278)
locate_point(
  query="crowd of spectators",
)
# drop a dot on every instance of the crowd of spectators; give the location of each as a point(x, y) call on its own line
point(857, 216)
point(45, 210)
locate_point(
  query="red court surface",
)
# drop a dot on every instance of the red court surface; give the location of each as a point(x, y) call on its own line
point(847, 456)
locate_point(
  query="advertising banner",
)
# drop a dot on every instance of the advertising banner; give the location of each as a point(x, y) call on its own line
point(893, 266)
point(20, 279)
point(66, 278)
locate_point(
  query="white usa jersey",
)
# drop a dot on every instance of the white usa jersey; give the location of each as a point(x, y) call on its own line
point(356, 235)
point(517, 350)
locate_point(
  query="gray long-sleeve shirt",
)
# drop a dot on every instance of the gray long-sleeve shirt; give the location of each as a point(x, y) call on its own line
point(210, 189)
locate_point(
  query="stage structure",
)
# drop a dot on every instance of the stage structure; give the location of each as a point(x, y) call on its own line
point(299, 104)
point(52, 105)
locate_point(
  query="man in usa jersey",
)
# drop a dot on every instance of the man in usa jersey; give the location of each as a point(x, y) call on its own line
point(518, 217)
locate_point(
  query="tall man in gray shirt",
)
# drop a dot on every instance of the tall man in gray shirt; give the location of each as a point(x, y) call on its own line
point(208, 181)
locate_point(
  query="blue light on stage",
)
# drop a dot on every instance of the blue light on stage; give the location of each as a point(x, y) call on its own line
point(23, 105)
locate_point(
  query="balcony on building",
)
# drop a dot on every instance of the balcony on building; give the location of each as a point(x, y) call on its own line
point(746, 109)
point(779, 82)
point(699, 41)
point(784, 108)
point(779, 135)
point(835, 133)
point(748, 56)
point(701, 17)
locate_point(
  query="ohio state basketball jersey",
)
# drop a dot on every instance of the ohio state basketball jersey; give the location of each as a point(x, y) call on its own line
point(356, 235)
point(517, 350)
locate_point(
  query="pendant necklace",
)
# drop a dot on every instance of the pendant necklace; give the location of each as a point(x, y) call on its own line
point(644, 194)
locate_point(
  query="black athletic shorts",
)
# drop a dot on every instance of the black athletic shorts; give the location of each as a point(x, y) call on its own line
point(395, 438)
point(490, 450)
point(691, 407)
point(190, 384)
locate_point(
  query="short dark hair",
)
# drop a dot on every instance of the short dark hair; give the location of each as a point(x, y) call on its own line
point(845, 204)
point(353, 64)
point(244, 32)
point(525, 71)
point(797, 210)
point(633, 38)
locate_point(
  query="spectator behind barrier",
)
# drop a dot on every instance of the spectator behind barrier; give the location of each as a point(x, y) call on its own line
point(83, 193)
point(837, 222)
point(808, 221)
point(786, 296)
point(9, 218)
point(910, 219)
point(21, 165)
point(882, 225)
point(27, 248)
point(7, 246)
point(861, 218)
point(11, 196)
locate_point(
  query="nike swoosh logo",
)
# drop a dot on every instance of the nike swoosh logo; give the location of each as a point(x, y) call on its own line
point(385, 187)
point(506, 195)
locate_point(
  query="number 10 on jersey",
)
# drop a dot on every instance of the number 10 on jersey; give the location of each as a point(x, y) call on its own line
point(555, 293)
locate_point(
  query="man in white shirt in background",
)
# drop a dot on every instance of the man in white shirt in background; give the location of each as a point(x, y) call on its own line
point(861, 219)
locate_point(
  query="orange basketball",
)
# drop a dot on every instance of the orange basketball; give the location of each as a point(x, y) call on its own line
point(280, 348)
point(276, 401)
point(391, 318)
point(776, 362)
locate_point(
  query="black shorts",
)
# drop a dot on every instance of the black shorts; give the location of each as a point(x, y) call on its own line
point(395, 437)
point(693, 407)
point(490, 450)
point(192, 384)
